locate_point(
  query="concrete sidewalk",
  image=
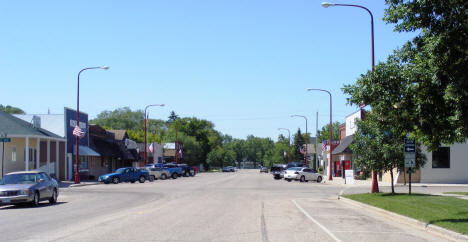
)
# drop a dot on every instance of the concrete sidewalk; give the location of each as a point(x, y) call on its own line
point(341, 181)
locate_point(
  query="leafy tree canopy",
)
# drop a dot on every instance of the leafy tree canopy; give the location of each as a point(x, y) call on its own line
point(421, 88)
point(11, 110)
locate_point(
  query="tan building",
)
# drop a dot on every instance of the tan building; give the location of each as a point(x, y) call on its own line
point(30, 148)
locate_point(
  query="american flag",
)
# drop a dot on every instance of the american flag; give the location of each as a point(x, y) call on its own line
point(151, 148)
point(78, 132)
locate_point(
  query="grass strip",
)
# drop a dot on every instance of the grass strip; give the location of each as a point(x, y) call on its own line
point(447, 212)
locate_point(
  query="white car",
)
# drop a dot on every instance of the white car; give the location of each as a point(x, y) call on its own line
point(303, 174)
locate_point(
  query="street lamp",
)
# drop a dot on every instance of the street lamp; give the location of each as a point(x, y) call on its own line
point(327, 4)
point(289, 143)
point(375, 185)
point(146, 123)
point(77, 175)
point(330, 131)
point(307, 139)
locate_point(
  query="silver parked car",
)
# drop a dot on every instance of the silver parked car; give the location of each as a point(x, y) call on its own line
point(28, 187)
point(304, 174)
point(157, 173)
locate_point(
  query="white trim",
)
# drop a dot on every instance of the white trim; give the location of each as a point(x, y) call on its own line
point(36, 136)
point(38, 154)
point(26, 154)
point(48, 157)
point(57, 160)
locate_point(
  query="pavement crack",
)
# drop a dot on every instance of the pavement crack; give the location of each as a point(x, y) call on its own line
point(263, 224)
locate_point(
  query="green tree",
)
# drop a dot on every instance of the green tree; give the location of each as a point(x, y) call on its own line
point(421, 88)
point(11, 110)
point(378, 146)
point(324, 134)
point(299, 141)
point(172, 117)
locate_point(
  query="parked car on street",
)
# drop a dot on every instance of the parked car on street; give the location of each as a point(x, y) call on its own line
point(28, 187)
point(228, 169)
point(174, 170)
point(187, 170)
point(125, 174)
point(277, 170)
point(157, 173)
point(304, 174)
point(263, 169)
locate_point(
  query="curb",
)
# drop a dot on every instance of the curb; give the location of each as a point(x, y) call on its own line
point(434, 229)
point(83, 184)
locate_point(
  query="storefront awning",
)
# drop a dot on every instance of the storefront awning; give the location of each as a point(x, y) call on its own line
point(86, 151)
point(343, 146)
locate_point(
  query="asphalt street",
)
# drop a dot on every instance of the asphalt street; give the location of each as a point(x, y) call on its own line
point(240, 206)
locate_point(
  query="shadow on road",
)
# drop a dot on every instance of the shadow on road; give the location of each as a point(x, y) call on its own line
point(28, 206)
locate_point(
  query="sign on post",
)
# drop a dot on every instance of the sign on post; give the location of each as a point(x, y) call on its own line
point(6, 140)
point(349, 177)
point(410, 157)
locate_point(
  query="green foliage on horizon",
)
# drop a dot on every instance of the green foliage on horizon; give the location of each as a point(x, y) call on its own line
point(11, 110)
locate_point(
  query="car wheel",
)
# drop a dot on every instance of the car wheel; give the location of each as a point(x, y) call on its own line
point(106, 182)
point(319, 179)
point(152, 178)
point(192, 173)
point(142, 179)
point(53, 199)
point(36, 199)
point(174, 175)
point(302, 179)
point(115, 180)
point(163, 177)
point(276, 178)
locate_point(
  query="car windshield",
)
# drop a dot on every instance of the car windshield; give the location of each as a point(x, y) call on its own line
point(25, 178)
point(120, 170)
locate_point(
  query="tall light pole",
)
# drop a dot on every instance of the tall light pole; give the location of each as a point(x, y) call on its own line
point(146, 124)
point(330, 132)
point(289, 143)
point(307, 139)
point(77, 157)
point(375, 185)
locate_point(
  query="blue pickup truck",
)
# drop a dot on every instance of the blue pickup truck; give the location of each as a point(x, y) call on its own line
point(173, 169)
point(125, 174)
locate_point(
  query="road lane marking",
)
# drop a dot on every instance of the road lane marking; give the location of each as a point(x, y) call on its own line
point(316, 222)
point(264, 232)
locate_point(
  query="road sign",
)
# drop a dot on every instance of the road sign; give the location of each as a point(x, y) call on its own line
point(410, 163)
point(410, 146)
point(5, 140)
point(410, 153)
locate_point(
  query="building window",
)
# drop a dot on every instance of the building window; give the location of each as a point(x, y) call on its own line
point(13, 153)
point(441, 158)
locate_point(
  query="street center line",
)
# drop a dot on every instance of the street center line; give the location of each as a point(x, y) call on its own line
point(316, 222)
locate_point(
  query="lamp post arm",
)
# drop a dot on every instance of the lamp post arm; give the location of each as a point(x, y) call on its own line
point(372, 25)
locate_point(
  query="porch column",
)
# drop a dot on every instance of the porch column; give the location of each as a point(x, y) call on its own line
point(57, 175)
point(38, 153)
point(48, 156)
point(26, 154)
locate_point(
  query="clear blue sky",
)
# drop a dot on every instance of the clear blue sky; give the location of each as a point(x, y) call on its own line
point(245, 65)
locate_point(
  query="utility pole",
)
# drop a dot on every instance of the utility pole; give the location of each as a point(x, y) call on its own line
point(316, 142)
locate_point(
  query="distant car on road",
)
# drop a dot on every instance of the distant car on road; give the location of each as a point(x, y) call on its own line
point(228, 169)
point(157, 173)
point(263, 169)
point(28, 187)
point(125, 174)
point(277, 170)
point(304, 174)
